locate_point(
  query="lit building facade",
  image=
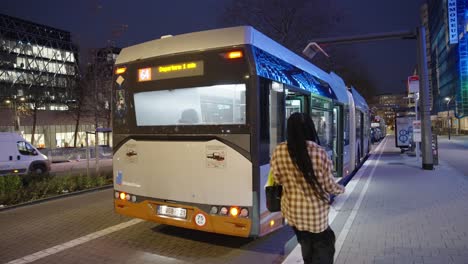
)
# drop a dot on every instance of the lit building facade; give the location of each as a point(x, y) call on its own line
point(39, 71)
point(38, 64)
point(449, 63)
point(385, 105)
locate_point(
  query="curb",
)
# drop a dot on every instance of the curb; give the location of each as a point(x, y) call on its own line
point(289, 246)
point(6, 208)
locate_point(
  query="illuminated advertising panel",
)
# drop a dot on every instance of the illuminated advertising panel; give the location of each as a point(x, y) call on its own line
point(460, 105)
point(452, 21)
point(169, 71)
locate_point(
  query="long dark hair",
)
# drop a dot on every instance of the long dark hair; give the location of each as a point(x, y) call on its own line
point(300, 129)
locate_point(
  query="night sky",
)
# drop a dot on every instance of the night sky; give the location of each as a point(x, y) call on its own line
point(92, 23)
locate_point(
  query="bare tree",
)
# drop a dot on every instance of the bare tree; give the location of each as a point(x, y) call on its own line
point(293, 23)
point(35, 105)
point(96, 86)
point(290, 22)
point(344, 62)
point(75, 107)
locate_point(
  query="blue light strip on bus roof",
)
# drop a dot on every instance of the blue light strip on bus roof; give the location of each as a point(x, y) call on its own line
point(272, 68)
point(359, 100)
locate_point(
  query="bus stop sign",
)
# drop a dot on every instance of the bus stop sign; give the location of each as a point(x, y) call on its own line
point(413, 84)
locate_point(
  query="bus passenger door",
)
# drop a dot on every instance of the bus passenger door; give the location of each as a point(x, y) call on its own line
point(276, 112)
point(338, 140)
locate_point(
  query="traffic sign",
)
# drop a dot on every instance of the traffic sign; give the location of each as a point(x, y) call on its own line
point(413, 84)
point(417, 130)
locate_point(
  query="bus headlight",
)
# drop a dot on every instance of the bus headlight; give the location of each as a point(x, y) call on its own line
point(125, 196)
point(234, 211)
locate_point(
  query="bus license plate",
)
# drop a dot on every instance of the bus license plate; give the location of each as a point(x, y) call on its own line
point(172, 211)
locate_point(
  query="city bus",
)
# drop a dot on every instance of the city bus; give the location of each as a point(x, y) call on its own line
point(363, 125)
point(197, 116)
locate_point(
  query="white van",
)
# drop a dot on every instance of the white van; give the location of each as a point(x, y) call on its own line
point(17, 156)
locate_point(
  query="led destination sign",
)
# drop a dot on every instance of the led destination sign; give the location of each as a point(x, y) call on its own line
point(176, 70)
point(177, 67)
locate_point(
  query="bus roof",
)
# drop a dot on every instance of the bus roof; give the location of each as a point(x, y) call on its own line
point(339, 88)
point(359, 100)
point(217, 38)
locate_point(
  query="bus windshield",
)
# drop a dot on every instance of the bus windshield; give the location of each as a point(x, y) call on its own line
point(207, 105)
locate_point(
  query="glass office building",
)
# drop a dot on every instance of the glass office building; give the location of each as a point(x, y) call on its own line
point(37, 63)
point(449, 62)
point(39, 69)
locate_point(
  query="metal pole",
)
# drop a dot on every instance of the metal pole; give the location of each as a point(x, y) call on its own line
point(96, 109)
point(87, 155)
point(416, 102)
point(458, 118)
point(96, 152)
point(366, 38)
point(426, 133)
point(449, 120)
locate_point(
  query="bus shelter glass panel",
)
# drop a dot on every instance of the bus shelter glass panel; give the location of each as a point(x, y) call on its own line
point(208, 105)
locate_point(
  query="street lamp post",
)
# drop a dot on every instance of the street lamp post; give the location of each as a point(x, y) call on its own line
point(449, 119)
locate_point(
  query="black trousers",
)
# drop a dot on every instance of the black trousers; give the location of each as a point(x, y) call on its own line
point(317, 248)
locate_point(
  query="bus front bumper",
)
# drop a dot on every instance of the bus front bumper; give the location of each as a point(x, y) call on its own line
point(194, 218)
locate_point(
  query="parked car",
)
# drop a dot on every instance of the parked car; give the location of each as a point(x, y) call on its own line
point(376, 134)
point(17, 156)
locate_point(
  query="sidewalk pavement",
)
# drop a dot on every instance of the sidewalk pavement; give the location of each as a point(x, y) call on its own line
point(457, 139)
point(393, 211)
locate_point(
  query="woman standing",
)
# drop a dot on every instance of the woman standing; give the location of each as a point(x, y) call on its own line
point(302, 166)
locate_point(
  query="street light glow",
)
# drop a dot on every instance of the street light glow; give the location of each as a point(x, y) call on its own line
point(447, 99)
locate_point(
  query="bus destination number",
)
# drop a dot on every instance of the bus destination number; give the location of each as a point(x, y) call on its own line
point(172, 211)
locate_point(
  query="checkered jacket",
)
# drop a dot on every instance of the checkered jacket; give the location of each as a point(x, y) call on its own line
point(301, 208)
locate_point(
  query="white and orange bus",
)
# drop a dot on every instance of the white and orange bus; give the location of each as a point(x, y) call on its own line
point(196, 118)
